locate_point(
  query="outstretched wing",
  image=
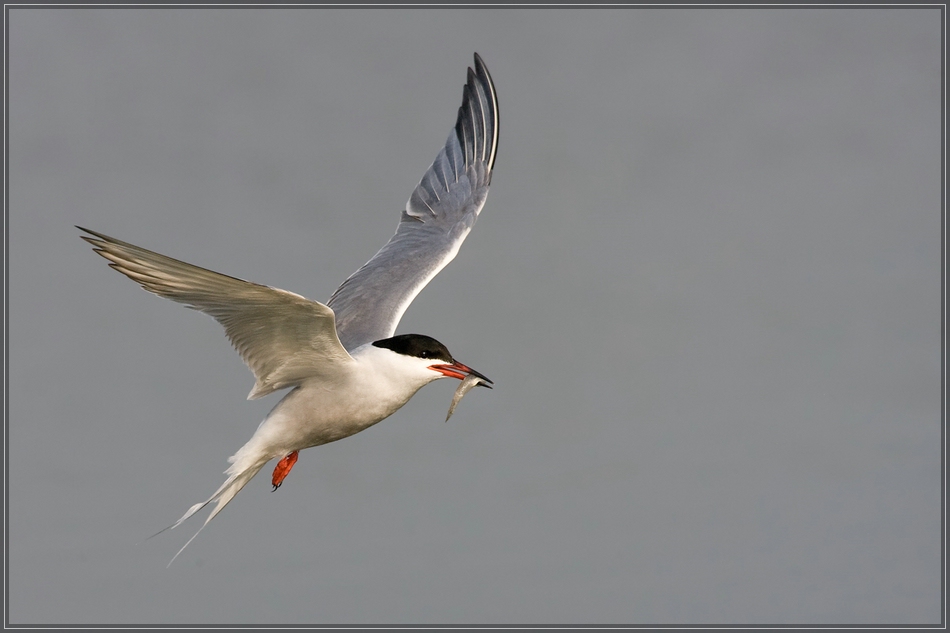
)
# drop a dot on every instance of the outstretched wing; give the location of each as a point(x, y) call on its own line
point(440, 213)
point(283, 337)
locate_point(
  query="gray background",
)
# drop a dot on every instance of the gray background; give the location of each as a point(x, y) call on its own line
point(706, 284)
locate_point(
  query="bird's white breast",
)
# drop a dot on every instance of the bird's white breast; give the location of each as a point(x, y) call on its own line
point(367, 390)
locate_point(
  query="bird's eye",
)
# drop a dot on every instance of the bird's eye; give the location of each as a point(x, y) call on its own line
point(426, 354)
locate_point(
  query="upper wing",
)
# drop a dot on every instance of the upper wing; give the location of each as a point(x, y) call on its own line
point(283, 337)
point(438, 217)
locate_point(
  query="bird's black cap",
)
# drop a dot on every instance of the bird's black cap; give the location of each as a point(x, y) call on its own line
point(418, 345)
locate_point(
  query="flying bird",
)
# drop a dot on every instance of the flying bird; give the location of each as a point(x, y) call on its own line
point(345, 368)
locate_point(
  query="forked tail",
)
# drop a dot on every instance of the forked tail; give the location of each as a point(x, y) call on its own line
point(240, 472)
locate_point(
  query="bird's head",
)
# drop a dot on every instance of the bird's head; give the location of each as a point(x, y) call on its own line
point(427, 354)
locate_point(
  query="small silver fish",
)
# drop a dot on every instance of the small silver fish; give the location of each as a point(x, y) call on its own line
point(468, 383)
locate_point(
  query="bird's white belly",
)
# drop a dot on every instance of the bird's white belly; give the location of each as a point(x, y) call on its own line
point(319, 412)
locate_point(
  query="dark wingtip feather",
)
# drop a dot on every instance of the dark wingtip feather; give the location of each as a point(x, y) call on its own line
point(484, 80)
point(91, 240)
point(479, 104)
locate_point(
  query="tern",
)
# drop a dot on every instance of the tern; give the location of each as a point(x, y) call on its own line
point(344, 366)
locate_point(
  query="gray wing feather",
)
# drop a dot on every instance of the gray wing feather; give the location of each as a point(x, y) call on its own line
point(283, 338)
point(439, 215)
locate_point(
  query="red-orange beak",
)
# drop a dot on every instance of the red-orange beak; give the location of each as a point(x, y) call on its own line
point(460, 371)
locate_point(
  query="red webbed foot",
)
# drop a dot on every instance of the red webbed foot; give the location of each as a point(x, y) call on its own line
point(283, 469)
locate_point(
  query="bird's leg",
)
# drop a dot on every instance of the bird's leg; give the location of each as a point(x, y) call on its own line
point(283, 469)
